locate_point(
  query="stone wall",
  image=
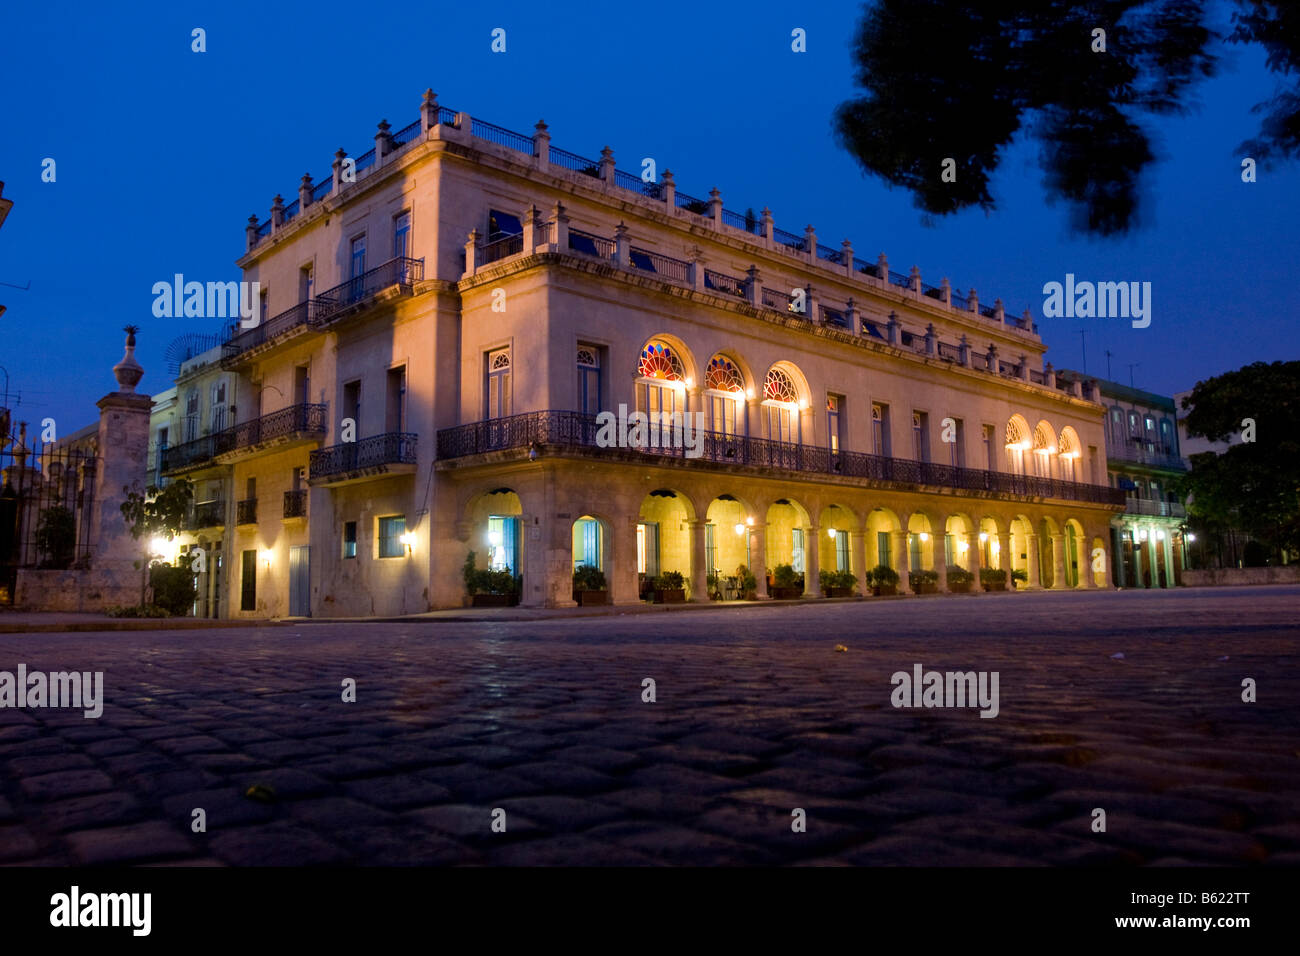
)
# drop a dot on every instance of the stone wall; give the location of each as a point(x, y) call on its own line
point(87, 590)
point(1219, 577)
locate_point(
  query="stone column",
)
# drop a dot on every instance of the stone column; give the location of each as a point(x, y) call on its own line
point(939, 558)
point(974, 558)
point(811, 562)
point(858, 558)
point(623, 582)
point(1153, 559)
point(1086, 578)
point(1058, 562)
point(1169, 560)
point(758, 554)
point(699, 562)
point(1004, 557)
point(901, 557)
point(1138, 580)
point(1031, 556)
point(1116, 568)
point(122, 464)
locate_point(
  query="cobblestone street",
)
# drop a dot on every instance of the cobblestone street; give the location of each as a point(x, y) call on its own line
point(756, 715)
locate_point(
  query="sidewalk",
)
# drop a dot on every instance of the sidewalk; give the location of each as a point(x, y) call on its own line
point(62, 622)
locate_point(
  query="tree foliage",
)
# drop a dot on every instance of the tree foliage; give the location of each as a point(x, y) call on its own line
point(1254, 486)
point(159, 511)
point(950, 79)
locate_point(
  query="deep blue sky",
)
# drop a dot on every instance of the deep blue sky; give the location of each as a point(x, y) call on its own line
point(163, 153)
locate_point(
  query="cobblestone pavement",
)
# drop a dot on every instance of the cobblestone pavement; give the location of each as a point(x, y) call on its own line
point(756, 715)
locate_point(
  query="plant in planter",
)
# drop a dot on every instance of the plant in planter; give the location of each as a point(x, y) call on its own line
point(787, 583)
point(748, 583)
point(993, 579)
point(837, 583)
point(960, 580)
point(589, 585)
point(670, 588)
point(714, 582)
point(923, 582)
point(1020, 575)
point(488, 588)
point(883, 580)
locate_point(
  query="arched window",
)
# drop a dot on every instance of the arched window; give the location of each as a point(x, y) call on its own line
point(781, 399)
point(1044, 450)
point(1069, 454)
point(660, 389)
point(498, 383)
point(725, 396)
point(1017, 444)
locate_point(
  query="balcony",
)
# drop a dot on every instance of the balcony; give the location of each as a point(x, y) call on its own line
point(246, 511)
point(398, 273)
point(288, 425)
point(1159, 509)
point(1142, 452)
point(389, 454)
point(295, 504)
point(575, 430)
point(206, 514)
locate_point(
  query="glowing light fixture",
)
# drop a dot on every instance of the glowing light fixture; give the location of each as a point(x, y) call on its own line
point(266, 559)
point(830, 532)
point(984, 536)
point(1190, 536)
point(924, 536)
point(408, 539)
point(740, 528)
point(750, 521)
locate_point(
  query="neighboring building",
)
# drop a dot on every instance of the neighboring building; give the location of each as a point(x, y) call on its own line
point(438, 337)
point(162, 427)
point(1143, 459)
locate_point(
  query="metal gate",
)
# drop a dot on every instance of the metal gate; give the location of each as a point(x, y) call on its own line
point(46, 501)
point(300, 581)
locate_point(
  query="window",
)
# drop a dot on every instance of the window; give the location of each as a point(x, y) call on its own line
point(990, 462)
point(920, 436)
point(1117, 427)
point(1044, 449)
point(503, 543)
point(395, 415)
point(391, 529)
point(796, 549)
point(502, 224)
point(358, 256)
point(724, 393)
point(586, 543)
point(841, 550)
point(248, 581)
point(1069, 454)
point(264, 305)
point(834, 405)
point(880, 429)
point(305, 283)
point(588, 379)
point(882, 549)
point(218, 410)
point(401, 235)
point(498, 384)
point(781, 399)
point(352, 402)
point(1092, 463)
point(659, 390)
point(648, 547)
point(301, 385)
point(192, 415)
point(957, 447)
point(1017, 444)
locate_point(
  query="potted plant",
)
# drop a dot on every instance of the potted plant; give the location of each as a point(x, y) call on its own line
point(836, 584)
point(589, 585)
point(670, 588)
point(748, 583)
point(488, 588)
point(960, 580)
point(883, 580)
point(714, 581)
point(1020, 575)
point(993, 579)
point(923, 582)
point(787, 583)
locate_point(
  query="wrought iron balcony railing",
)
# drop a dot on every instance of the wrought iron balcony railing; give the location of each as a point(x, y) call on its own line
point(1159, 509)
point(393, 448)
point(1145, 453)
point(309, 419)
point(579, 430)
point(295, 503)
point(206, 514)
point(246, 511)
point(401, 271)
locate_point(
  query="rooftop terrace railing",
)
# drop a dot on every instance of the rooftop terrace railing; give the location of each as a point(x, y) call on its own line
point(748, 223)
point(565, 429)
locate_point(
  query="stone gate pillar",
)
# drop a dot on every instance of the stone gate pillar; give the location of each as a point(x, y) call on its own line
point(122, 466)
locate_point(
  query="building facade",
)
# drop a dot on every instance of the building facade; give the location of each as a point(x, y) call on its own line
point(1144, 461)
point(446, 316)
